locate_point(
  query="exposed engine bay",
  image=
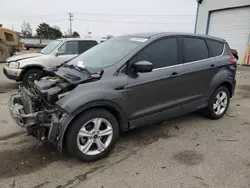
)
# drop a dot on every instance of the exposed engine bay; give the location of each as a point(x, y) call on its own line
point(35, 108)
point(53, 85)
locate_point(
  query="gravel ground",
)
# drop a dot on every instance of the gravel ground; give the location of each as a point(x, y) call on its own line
point(189, 151)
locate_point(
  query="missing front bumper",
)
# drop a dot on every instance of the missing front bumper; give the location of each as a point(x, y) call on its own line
point(41, 124)
point(17, 112)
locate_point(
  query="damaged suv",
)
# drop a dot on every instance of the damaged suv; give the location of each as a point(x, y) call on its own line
point(124, 83)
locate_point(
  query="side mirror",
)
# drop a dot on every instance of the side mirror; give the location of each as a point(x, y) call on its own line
point(143, 66)
point(59, 53)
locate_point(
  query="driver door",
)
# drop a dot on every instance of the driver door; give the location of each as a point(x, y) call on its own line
point(156, 95)
point(66, 51)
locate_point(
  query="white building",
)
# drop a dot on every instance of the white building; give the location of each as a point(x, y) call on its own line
point(228, 19)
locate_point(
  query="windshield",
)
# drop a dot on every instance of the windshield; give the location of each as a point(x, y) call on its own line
point(50, 47)
point(105, 54)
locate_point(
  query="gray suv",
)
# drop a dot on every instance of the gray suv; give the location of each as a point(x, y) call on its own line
point(124, 83)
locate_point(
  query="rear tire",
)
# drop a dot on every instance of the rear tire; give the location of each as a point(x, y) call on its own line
point(218, 103)
point(4, 53)
point(28, 75)
point(84, 132)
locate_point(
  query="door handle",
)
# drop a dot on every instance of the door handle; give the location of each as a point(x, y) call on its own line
point(212, 66)
point(174, 75)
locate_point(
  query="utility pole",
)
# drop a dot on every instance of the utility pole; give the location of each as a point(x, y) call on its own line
point(70, 23)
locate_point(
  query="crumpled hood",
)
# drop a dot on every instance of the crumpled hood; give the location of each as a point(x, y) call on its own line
point(23, 56)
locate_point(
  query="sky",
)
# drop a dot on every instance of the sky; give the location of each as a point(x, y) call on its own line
point(102, 17)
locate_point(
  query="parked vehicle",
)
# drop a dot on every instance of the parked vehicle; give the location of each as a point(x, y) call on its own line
point(36, 46)
point(9, 43)
point(24, 67)
point(124, 83)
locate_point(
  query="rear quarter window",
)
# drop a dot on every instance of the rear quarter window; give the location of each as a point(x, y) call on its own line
point(215, 47)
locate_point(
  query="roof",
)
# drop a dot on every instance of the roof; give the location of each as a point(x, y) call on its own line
point(8, 30)
point(69, 39)
point(162, 34)
point(143, 35)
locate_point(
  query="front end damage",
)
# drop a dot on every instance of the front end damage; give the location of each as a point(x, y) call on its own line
point(32, 113)
point(36, 110)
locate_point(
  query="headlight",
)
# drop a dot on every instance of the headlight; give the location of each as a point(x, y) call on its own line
point(14, 64)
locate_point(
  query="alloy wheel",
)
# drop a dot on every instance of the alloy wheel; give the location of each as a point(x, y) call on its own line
point(220, 103)
point(31, 78)
point(94, 136)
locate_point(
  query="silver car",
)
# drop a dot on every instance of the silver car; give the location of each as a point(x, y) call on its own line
point(24, 67)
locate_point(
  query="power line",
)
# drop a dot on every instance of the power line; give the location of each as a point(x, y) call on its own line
point(138, 15)
point(33, 16)
point(103, 14)
point(129, 22)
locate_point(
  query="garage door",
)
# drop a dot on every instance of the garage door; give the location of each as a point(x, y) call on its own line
point(232, 25)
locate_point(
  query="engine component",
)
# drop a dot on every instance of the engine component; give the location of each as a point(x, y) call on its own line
point(45, 84)
point(51, 94)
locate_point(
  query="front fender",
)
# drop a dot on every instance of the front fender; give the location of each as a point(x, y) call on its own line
point(84, 94)
point(83, 98)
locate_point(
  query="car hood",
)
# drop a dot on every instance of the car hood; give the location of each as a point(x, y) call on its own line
point(23, 56)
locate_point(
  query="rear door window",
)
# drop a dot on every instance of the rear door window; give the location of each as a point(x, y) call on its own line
point(85, 45)
point(194, 49)
point(216, 47)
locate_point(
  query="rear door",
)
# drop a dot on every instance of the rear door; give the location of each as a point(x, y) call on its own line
point(198, 71)
point(157, 94)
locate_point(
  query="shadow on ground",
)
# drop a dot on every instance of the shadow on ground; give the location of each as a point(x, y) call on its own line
point(29, 159)
point(5, 87)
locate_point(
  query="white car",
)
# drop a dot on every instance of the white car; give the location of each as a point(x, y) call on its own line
point(24, 67)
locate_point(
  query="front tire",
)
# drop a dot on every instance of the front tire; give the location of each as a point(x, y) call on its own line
point(28, 75)
point(218, 103)
point(4, 53)
point(92, 135)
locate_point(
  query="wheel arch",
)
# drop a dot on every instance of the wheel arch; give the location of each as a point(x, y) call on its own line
point(100, 104)
point(29, 67)
point(229, 86)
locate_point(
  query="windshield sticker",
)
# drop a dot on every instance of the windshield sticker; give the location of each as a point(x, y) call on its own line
point(80, 64)
point(138, 39)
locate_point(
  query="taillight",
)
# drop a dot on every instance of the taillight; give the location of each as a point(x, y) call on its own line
point(233, 60)
point(234, 51)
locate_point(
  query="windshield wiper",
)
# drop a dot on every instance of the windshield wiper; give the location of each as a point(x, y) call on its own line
point(80, 69)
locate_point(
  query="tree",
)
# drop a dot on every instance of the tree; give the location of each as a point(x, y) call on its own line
point(56, 27)
point(26, 29)
point(45, 31)
point(55, 33)
point(109, 36)
point(75, 34)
